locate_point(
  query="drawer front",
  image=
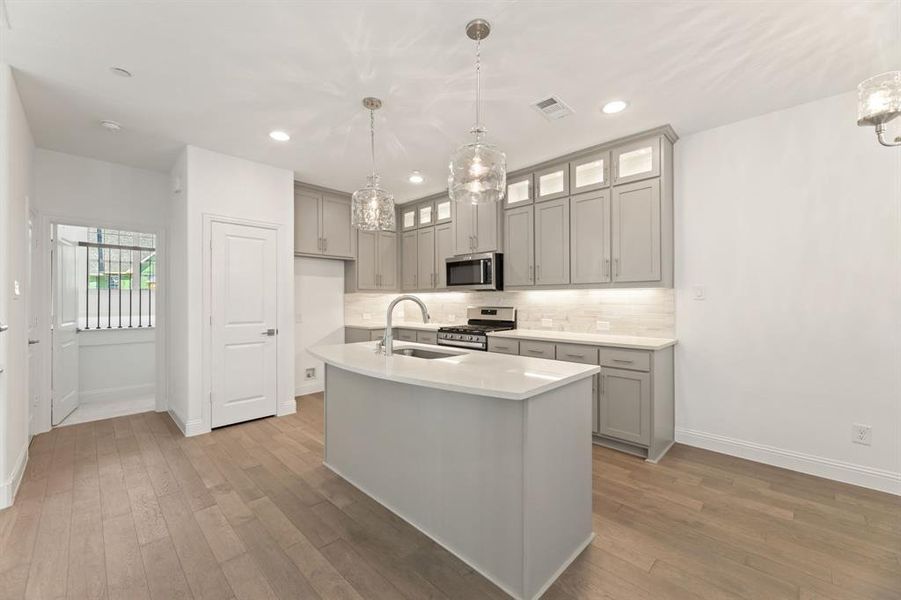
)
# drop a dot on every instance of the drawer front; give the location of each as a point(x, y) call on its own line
point(427, 337)
point(503, 346)
point(577, 353)
point(537, 349)
point(637, 360)
point(376, 334)
point(406, 335)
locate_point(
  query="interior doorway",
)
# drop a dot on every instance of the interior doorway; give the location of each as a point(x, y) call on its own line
point(103, 305)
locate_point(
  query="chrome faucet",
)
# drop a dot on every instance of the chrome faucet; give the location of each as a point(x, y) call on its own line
point(388, 340)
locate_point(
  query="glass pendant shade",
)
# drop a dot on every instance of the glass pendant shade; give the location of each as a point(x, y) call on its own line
point(879, 99)
point(372, 208)
point(477, 174)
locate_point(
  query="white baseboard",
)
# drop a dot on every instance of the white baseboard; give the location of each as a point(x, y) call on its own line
point(126, 392)
point(190, 428)
point(288, 407)
point(868, 477)
point(309, 387)
point(10, 486)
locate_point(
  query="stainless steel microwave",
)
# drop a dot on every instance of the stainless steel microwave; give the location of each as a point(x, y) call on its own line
point(476, 271)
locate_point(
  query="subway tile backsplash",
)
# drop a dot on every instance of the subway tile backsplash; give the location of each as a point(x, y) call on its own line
point(645, 312)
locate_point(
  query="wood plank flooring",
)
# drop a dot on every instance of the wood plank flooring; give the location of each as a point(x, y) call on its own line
point(128, 508)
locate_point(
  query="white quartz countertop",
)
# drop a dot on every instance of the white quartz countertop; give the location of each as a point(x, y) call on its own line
point(418, 325)
point(597, 339)
point(468, 372)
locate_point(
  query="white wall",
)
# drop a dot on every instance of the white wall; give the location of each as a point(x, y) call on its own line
point(16, 158)
point(318, 316)
point(116, 365)
point(216, 185)
point(76, 190)
point(790, 221)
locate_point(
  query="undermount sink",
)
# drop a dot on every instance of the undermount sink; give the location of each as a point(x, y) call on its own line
point(423, 353)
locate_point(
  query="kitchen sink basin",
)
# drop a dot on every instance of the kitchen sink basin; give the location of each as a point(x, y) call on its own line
point(423, 353)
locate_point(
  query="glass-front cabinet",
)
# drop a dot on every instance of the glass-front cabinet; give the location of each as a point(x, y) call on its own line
point(408, 218)
point(552, 182)
point(443, 211)
point(519, 191)
point(590, 173)
point(426, 213)
point(636, 161)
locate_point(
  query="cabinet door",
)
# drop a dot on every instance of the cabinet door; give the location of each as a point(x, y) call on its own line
point(552, 182)
point(443, 211)
point(635, 161)
point(337, 239)
point(408, 218)
point(636, 231)
point(486, 227)
point(464, 227)
point(409, 261)
point(519, 191)
point(425, 214)
point(625, 405)
point(590, 173)
point(552, 242)
point(589, 231)
point(306, 222)
point(444, 249)
point(367, 260)
point(387, 257)
point(519, 246)
point(425, 250)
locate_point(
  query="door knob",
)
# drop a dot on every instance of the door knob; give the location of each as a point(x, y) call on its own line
point(33, 342)
point(270, 332)
point(3, 327)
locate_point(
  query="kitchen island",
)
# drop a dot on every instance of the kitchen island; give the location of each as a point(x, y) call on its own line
point(487, 454)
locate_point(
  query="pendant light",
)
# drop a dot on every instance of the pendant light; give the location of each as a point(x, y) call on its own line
point(878, 102)
point(477, 171)
point(372, 208)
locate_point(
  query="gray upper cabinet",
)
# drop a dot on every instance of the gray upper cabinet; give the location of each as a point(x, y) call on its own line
point(552, 182)
point(519, 191)
point(624, 405)
point(409, 260)
point(443, 212)
point(475, 228)
point(589, 232)
point(322, 224)
point(552, 242)
point(636, 161)
point(407, 217)
point(444, 249)
point(425, 251)
point(519, 246)
point(590, 172)
point(636, 229)
point(376, 264)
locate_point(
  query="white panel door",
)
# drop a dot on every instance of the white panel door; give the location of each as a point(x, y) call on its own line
point(244, 323)
point(65, 326)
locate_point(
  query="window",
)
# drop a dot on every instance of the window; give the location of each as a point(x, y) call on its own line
point(118, 288)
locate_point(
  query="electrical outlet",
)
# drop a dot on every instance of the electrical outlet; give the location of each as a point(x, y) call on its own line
point(451, 317)
point(547, 322)
point(862, 434)
point(602, 325)
point(698, 292)
point(311, 373)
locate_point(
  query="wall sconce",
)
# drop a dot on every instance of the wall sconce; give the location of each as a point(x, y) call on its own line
point(878, 102)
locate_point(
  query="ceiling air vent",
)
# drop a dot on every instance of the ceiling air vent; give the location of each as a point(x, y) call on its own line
point(553, 108)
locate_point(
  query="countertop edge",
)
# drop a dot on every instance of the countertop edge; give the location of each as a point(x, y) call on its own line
point(542, 336)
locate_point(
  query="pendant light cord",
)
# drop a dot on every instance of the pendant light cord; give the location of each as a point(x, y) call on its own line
point(478, 130)
point(372, 138)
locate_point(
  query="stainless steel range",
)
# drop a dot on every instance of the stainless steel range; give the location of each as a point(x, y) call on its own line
point(481, 320)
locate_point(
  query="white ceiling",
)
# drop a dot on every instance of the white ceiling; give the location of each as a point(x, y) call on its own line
point(221, 75)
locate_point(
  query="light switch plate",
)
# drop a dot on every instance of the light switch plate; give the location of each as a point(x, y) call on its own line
point(17, 289)
point(311, 373)
point(547, 322)
point(698, 292)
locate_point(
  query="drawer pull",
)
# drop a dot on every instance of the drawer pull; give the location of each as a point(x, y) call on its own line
point(533, 351)
point(623, 360)
point(575, 355)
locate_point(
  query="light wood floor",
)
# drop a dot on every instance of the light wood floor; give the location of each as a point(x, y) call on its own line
point(128, 508)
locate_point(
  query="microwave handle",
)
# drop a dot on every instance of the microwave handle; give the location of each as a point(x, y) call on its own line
point(486, 264)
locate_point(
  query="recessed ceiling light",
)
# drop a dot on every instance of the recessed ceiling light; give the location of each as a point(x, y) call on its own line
point(110, 125)
point(120, 72)
point(416, 177)
point(615, 106)
point(279, 136)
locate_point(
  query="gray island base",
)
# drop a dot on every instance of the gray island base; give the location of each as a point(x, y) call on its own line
point(504, 484)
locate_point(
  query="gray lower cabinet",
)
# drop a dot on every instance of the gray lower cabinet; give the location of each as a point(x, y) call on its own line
point(625, 405)
point(519, 246)
point(427, 337)
point(357, 334)
point(589, 230)
point(552, 242)
point(636, 228)
point(503, 346)
point(405, 335)
point(409, 260)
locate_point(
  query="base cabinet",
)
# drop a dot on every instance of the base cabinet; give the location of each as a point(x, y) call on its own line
point(624, 405)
